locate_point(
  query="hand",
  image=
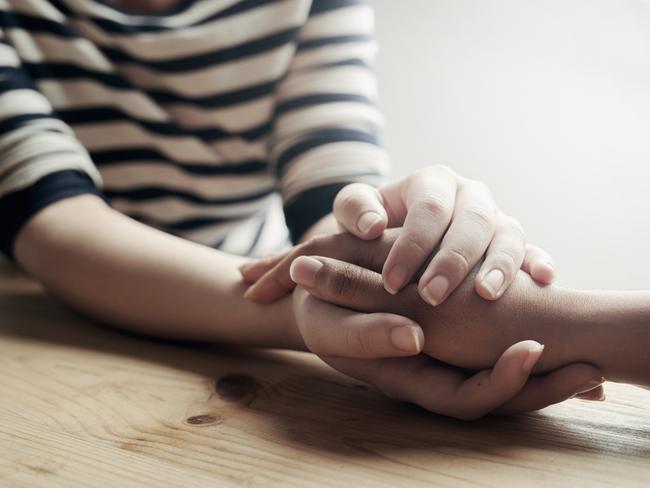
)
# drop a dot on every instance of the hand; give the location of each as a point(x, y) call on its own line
point(269, 277)
point(466, 331)
point(505, 388)
point(334, 332)
point(345, 273)
point(436, 207)
point(419, 379)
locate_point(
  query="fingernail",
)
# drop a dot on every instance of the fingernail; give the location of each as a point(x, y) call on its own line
point(303, 270)
point(590, 385)
point(396, 278)
point(534, 354)
point(367, 221)
point(406, 338)
point(493, 282)
point(436, 289)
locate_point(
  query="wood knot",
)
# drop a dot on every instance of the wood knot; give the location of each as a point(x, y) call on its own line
point(205, 419)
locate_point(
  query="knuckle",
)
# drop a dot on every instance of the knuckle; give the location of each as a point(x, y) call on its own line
point(456, 259)
point(356, 345)
point(434, 205)
point(506, 259)
point(344, 282)
point(514, 226)
point(481, 216)
point(414, 246)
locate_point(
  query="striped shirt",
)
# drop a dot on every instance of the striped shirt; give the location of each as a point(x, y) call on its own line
point(191, 120)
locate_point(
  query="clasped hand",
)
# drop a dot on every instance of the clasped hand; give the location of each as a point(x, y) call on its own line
point(444, 232)
point(385, 345)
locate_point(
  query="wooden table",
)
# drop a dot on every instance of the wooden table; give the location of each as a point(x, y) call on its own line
point(84, 405)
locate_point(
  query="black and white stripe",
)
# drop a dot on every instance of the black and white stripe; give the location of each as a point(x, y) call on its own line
point(191, 120)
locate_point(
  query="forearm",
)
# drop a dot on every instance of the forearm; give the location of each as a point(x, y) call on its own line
point(608, 329)
point(613, 332)
point(129, 275)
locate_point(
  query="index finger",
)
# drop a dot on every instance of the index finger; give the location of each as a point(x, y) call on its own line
point(429, 199)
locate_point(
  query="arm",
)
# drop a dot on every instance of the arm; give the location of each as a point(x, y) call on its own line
point(156, 283)
point(610, 330)
point(55, 225)
point(606, 328)
point(125, 273)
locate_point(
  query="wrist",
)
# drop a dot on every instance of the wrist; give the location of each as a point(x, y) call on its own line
point(613, 334)
point(560, 322)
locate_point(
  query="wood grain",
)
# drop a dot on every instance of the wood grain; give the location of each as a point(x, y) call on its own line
point(85, 405)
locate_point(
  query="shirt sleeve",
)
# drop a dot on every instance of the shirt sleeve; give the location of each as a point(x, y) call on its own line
point(41, 161)
point(326, 124)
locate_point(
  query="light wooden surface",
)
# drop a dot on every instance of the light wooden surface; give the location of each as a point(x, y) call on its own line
point(84, 405)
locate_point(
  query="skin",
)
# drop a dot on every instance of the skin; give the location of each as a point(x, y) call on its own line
point(129, 275)
point(437, 210)
point(608, 329)
point(151, 282)
point(157, 284)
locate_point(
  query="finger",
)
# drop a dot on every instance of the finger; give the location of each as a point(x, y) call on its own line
point(359, 208)
point(539, 265)
point(554, 387)
point(503, 260)
point(597, 394)
point(474, 397)
point(429, 199)
point(329, 330)
point(469, 235)
point(347, 285)
point(277, 282)
point(446, 390)
point(254, 269)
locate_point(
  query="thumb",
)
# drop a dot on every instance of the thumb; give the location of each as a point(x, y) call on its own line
point(360, 210)
point(491, 388)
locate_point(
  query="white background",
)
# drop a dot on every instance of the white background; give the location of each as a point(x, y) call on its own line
point(548, 102)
